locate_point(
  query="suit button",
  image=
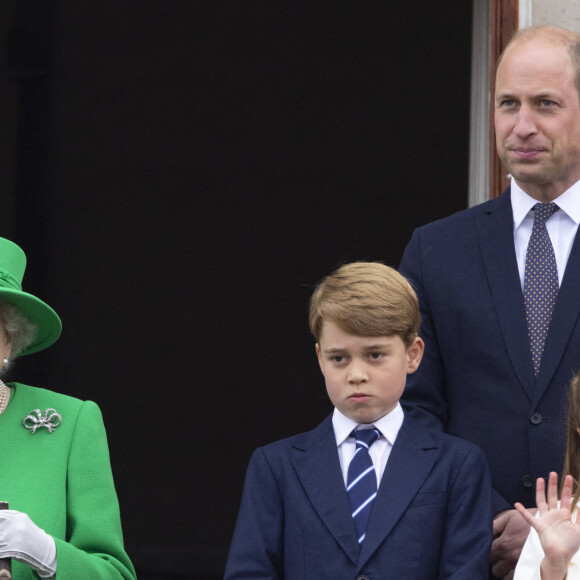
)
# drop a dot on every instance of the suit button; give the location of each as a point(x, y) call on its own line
point(536, 419)
point(363, 577)
point(527, 481)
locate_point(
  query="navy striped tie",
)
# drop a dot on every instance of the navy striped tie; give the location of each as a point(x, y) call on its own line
point(361, 482)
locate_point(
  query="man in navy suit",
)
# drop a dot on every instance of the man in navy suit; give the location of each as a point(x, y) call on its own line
point(408, 502)
point(478, 378)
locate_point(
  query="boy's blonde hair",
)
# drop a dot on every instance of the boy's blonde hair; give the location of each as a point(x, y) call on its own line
point(572, 459)
point(366, 299)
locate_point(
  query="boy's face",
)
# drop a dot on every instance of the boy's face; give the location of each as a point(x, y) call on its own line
point(365, 376)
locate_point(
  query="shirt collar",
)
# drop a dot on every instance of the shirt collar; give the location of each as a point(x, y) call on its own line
point(522, 203)
point(388, 425)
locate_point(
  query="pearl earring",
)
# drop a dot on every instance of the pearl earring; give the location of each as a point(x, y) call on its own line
point(5, 361)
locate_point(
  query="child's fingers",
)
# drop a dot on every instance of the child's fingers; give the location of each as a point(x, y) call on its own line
point(567, 492)
point(552, 490)
point(524, 513)
point(541, 495)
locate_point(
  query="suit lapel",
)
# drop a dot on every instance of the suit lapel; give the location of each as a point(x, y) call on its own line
point(496, 242)
point(409, 464)
point(563, 321)
point(315, 459)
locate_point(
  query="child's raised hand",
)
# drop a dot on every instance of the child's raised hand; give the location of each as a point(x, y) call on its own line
point(559, 536)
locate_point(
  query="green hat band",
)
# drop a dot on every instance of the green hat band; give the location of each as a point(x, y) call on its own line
point(7, 279)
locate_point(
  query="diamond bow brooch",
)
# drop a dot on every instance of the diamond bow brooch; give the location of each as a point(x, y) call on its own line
point(35, 420)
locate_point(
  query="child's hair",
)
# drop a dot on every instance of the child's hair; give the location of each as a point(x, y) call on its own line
point(366, 299)
point(572, 459)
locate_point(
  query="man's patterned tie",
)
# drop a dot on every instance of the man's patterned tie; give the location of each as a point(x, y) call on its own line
point(540, 282)
point(361, 483)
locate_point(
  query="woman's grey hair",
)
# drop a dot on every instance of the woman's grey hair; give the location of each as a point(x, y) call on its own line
point(19, 329)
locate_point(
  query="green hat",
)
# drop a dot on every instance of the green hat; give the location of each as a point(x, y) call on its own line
point(12, 266)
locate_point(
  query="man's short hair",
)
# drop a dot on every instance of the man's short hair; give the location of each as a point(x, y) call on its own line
point(570, 40)
point(366, 299)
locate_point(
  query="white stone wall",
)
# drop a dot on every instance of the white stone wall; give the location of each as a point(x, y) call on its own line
point(562, 13)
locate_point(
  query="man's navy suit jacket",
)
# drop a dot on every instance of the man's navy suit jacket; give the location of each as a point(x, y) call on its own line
point(476, 377)
point(431, 518)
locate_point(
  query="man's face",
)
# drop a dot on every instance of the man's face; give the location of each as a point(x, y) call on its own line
point(537, 118)
point(365, 376)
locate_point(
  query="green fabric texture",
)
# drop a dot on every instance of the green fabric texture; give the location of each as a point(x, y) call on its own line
point(63, 481)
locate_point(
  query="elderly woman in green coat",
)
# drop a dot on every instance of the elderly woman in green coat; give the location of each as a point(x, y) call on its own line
point(63, 518)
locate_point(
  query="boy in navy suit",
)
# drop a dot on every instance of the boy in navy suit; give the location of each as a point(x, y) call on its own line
point(369, 494)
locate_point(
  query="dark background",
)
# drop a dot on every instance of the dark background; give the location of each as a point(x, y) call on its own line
point(180, 174)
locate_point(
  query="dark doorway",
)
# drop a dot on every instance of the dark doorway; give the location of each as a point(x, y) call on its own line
point(181, 173)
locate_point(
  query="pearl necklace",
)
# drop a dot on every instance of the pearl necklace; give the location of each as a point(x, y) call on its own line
point(4, 392)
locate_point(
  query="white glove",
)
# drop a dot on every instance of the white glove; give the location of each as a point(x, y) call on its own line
point(23, 540)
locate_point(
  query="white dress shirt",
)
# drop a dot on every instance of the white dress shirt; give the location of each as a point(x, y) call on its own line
point(561, 226)
point(380, 450)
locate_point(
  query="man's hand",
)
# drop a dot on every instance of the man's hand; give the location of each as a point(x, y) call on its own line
point(510, 531)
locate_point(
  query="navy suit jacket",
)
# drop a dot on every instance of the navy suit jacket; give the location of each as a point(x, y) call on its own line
point(431, 518)
point(476, 377)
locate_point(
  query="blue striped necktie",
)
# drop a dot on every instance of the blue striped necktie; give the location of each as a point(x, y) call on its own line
point(540, 282)
point(361, 482)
